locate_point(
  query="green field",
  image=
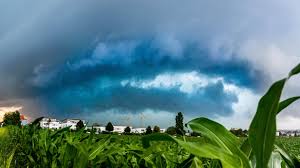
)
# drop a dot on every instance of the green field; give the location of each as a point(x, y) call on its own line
point(30, 147)
point(45, 148)
point(292, 144)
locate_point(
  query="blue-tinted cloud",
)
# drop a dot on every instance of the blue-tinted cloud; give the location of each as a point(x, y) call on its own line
point(59, 55)
point(211, 100)
point(94, 80)
point(143, 59)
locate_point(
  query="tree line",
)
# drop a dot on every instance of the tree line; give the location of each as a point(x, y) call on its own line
point(13, 118)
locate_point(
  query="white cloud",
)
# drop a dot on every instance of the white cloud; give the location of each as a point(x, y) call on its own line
point(187, 82)
point(244, 109)
point(288, 122)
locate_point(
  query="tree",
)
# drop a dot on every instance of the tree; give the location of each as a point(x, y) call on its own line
point(239, 132)
point(79, 125)
point(179, 124)
point(171, 130)
point(156, 129)
point(36, 122)
point(12, 118)
point(127, 130)
point(148, 130)
point(109, 127)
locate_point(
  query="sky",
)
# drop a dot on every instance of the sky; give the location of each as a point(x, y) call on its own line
point(140, 62)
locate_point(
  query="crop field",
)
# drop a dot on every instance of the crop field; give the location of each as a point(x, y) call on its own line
point(292, 144)
point(45, 148)
point(32, 147)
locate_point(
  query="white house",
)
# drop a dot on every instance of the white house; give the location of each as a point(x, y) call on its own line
point(138, 130)
point(50, 123)
point(162, 130)
point(98, 129)
point(71, 123)
point(120, 129)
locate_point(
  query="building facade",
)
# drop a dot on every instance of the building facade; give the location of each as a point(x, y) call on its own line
point(138, 130)
point(50, 123)
point(71, 123)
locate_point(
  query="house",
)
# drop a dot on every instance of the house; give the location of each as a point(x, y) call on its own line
point(291, 133)
point(71, 123)
point(97, 128)
point(138, 130)
point(120, 129)
point(288, 133)
point(162, 130)
point(50, 123)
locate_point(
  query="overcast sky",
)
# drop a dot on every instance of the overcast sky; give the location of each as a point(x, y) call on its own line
point(140, 62)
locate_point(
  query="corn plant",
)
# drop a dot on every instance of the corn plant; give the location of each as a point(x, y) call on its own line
point(39, 148)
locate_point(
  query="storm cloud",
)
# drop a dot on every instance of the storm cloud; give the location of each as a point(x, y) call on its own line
point(64, 57)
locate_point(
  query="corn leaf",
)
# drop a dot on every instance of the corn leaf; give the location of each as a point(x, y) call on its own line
point(220, 136)
point(99, 146)
point(9, 160)
point(295, 70)
point(286, 103)
point(263, 127)
point(211, 151)
point(290, 160)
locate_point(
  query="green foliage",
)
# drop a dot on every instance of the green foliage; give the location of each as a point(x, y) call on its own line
point(12, 118)
point(109, 127)
point(171, 130)
point(64, 148)
point(263, 127)
point(127, 130)
point(219, 137)
point(156, 129)
point(148, 130)
point(179, 124)
point(239, 132)
point(79, 125)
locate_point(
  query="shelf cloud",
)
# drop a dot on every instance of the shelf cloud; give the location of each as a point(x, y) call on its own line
point(88, 58)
